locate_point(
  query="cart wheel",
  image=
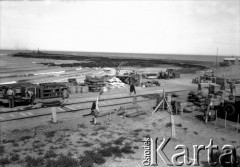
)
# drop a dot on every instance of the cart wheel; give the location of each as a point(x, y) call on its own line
point(230, 109)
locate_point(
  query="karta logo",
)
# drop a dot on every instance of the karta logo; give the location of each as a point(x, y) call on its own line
point(154, 153)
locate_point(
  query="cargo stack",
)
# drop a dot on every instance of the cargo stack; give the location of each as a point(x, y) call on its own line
point(236, 89)
point(95, 84)
point(197, 98)
point(50, 90)
point(223, 83)
point(214, 88)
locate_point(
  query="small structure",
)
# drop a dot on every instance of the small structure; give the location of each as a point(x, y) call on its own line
point(231, 61)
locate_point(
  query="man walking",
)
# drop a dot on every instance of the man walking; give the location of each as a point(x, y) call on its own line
point(10, 95)
point(65, 94)
point(31, 96)
point(95, 111)
point(132, 88)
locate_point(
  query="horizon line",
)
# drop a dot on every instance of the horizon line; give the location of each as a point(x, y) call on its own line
point(118, 52)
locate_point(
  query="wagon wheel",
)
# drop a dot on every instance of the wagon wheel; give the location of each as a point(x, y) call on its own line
point(230, 109)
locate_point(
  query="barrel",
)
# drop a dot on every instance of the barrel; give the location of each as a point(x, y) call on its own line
point(79, 89)
point(72, 89)
point(85, 89)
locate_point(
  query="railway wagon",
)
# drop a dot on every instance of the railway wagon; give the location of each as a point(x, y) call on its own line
point(41, 91)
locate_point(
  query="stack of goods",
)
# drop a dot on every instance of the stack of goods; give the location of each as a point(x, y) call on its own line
point(223, 83)
point(214, 88)
point(196, 80)
point(196, 98)
point(190, 107)
point(95, 84)
point(115, 83)
point(50, 90)
point(236, 89)
point(150, 83)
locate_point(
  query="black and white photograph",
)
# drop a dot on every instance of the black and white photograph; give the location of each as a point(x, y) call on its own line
point(119, 83)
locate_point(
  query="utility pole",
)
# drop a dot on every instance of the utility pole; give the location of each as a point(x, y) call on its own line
point(216, 57)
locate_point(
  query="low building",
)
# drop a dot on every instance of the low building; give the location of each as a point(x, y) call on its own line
point(231, 61)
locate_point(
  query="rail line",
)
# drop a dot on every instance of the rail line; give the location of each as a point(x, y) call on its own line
point(78, 110)
point(89, 101)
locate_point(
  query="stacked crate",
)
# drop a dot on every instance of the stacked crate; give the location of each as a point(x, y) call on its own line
point(203, 85)
point(236, 89)
point(50, 90)
point(95, 84)
point(223, 83)
point(214, 88)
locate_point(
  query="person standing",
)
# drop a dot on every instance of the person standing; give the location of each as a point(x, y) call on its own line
point(95, 111)
point(31, 96)
point(132, 88)
point(11, 96)
point(65, 94)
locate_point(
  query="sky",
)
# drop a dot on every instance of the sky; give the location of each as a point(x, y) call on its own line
point(157, 26)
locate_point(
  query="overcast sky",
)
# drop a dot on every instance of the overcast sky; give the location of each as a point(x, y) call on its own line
point(181, 27)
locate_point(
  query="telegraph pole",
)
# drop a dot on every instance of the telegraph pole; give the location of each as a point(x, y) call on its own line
point(216, 57)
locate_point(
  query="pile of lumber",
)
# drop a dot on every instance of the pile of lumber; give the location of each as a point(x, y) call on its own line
point(115, 83)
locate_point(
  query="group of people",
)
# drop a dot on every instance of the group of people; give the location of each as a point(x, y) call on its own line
point(11, 96)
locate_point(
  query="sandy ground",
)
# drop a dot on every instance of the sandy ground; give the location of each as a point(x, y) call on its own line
point(78, 135)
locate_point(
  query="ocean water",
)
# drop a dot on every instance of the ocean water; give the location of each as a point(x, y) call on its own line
point(204, 58)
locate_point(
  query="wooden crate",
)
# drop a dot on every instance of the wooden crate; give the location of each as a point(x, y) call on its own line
point(203, 85)
point(214, 88)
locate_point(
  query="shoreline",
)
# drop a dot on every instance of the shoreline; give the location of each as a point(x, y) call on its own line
point(187, 66)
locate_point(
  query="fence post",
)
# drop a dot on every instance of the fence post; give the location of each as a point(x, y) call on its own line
point(173, 126)
point(1, 130)
point(216, 117)
point(54, 115)
point(193, 114)
point(225, 122)
point(237, 123)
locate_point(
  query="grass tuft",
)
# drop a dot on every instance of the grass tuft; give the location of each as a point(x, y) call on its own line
point(169, 124)
point(2, 150)
point(50, 154)
point(4, 161)
point(179, 125)
point(34, 162)
point(50, 134)
point(119, 141)
point(83, 126)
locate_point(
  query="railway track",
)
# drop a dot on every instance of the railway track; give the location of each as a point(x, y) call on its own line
point(29, 113)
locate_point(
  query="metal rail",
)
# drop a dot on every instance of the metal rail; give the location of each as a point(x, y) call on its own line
point(71, 111)
point(82, 109)
point(89, 101)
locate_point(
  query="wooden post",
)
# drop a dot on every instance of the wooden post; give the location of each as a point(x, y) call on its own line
point(125, 112)
point(173, 126)
point(1, 130)
point(225, 122)
point(176, 107)
point(54, 115)
point(163, 99)
point(216, 117)
point(152, 103)
point(237, 123)
point(193, 114)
